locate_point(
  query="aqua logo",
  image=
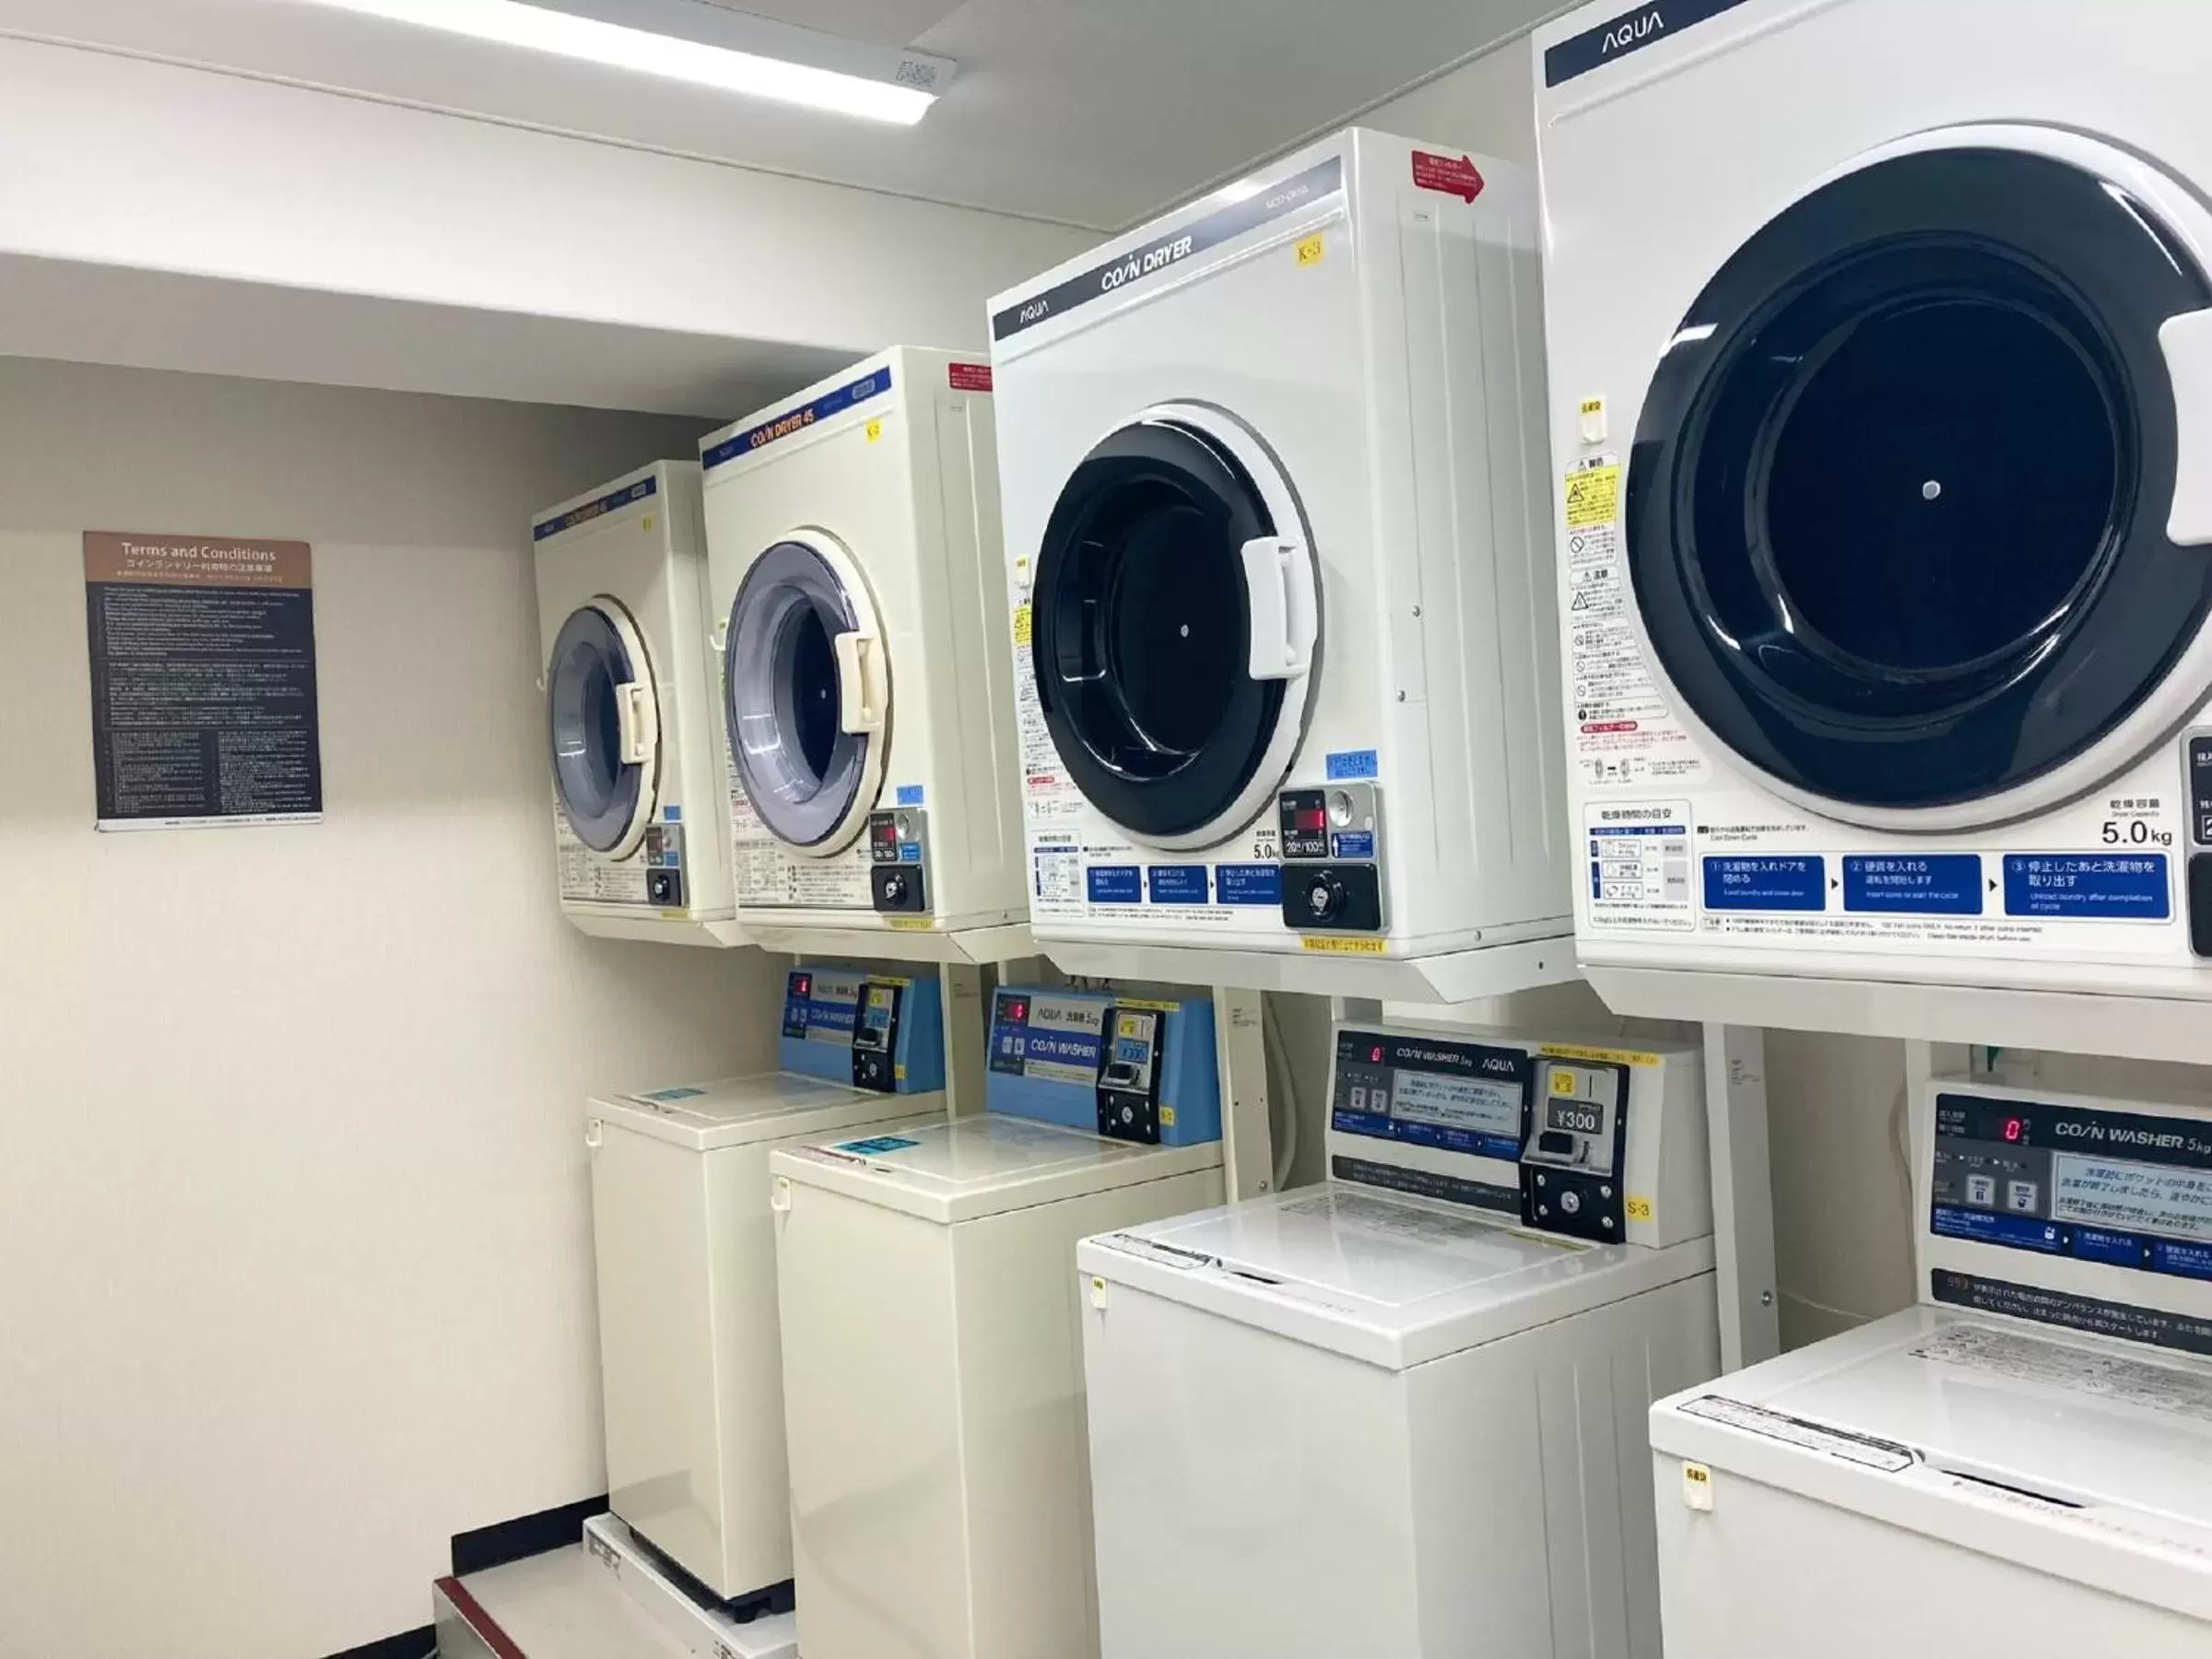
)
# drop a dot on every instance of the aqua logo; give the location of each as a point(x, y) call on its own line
point(1634, 32)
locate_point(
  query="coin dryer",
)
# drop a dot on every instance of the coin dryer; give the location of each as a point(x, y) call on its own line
point(1284, 628)
point(857, 590)
point(1402, 1415)
point(933, 1371)
point(630, 731)
point(2022, 1463)
point(686, 1255)
point(1889, 648)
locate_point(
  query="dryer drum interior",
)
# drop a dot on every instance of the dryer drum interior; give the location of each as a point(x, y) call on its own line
point(1897, 510)
point(1142, 630)
point(603, 782)
point(786, 699)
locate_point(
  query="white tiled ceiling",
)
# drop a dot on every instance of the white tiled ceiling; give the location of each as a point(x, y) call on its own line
point(1092, 113)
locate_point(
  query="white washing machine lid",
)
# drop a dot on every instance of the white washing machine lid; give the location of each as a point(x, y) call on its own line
point(984, 1166)
point(2079, 1456)
point(738, 1112)
point(1391, 1279)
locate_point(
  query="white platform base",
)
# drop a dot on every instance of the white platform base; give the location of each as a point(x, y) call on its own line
point(1460, 976)
point(2142, 1028)
point(968, 947)
point(600, 1599)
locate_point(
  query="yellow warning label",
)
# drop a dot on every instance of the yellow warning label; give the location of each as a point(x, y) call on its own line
point(1563, 1082)
point(1592, 497)
point(1310, 251)
point(910, 925)
point(1594, 406)
point(875, 430)
point(1347, 947)
point(1570, 1051)
point(1024, 623)
point(1167, 1117)
point(1640, 1209)
point(648, 523)
point(1156, 1008)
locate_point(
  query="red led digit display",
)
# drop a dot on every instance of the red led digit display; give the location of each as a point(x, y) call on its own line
point(1018, 1010)
point(1311, 818)
point(2016, 1130)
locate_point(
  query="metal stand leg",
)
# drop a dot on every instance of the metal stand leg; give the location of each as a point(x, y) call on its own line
point(1743, 1193)
point(967, 1042)
point(1247, 1132)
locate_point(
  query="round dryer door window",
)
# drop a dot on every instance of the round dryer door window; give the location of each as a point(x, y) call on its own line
point(604, 728)
point(1174, 622)
point(1916, 502)
point(807, 693)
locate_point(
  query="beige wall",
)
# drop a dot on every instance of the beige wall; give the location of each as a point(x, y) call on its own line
point(292, 1186)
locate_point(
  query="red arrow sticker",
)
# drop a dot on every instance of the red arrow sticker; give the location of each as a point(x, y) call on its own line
point(1454, 175)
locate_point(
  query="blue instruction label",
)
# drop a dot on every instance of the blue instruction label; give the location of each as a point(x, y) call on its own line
point(1352, 844)
point(1766, 883)
point(1914, 884)
point(1256, 884)
point(877, 1146)
point(1354, 766)
point(909, 795)
point(2088, 886)
point(1116, 884)
point(2021, 1233)
point(1179, 884)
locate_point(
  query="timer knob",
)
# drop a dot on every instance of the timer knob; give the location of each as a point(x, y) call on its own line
point(894, 888)
point(1324, 898)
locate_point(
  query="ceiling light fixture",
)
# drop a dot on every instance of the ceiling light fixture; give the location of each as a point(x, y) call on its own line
point(694, 41)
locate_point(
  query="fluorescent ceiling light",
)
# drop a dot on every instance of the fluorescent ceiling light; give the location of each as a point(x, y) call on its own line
point(687, 40)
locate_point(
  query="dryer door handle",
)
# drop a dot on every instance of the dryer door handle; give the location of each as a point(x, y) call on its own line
point(637, 722)
point(1279, 580)
point(2188, 342)
point(860, 696)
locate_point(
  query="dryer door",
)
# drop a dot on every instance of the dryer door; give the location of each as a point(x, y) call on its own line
point(604, 727)
point(807, 692)
point(1175, 617)
point(1917, 514)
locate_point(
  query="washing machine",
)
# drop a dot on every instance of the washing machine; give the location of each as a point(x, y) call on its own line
point(1401, 1415)
point(858, 608)
point(686, 1277)
point(1881, 367)
point(1279, 547)
point(2019, 1464)
point(629, 712)
point(933, 1367)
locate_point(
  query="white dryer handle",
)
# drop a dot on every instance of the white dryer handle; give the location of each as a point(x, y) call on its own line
point(860, 682)
point(1278, 577)
point(2187, 340)
point(637, 722)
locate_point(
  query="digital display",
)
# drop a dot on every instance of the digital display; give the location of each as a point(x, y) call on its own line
point(1018, 1010)
point(1132, 1051)
point(1451, 1102)
point(1576, 1117)
point(1311, 818)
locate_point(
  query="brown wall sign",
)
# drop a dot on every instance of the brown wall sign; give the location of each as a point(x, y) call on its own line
point(203, 700)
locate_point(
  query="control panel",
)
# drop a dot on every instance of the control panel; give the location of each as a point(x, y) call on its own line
point(2071, 1210)
point(2196, 767)
point(1130, 1069)
point(898, 861)
point(1589, 1140)
point(877, 1032)
point(1332, 841)
point(876, 1036)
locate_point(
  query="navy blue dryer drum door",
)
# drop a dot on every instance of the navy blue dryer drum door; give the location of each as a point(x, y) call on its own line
point(604, 728)
point(1919, 503)
point(1174, 618)
point(806, 694)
